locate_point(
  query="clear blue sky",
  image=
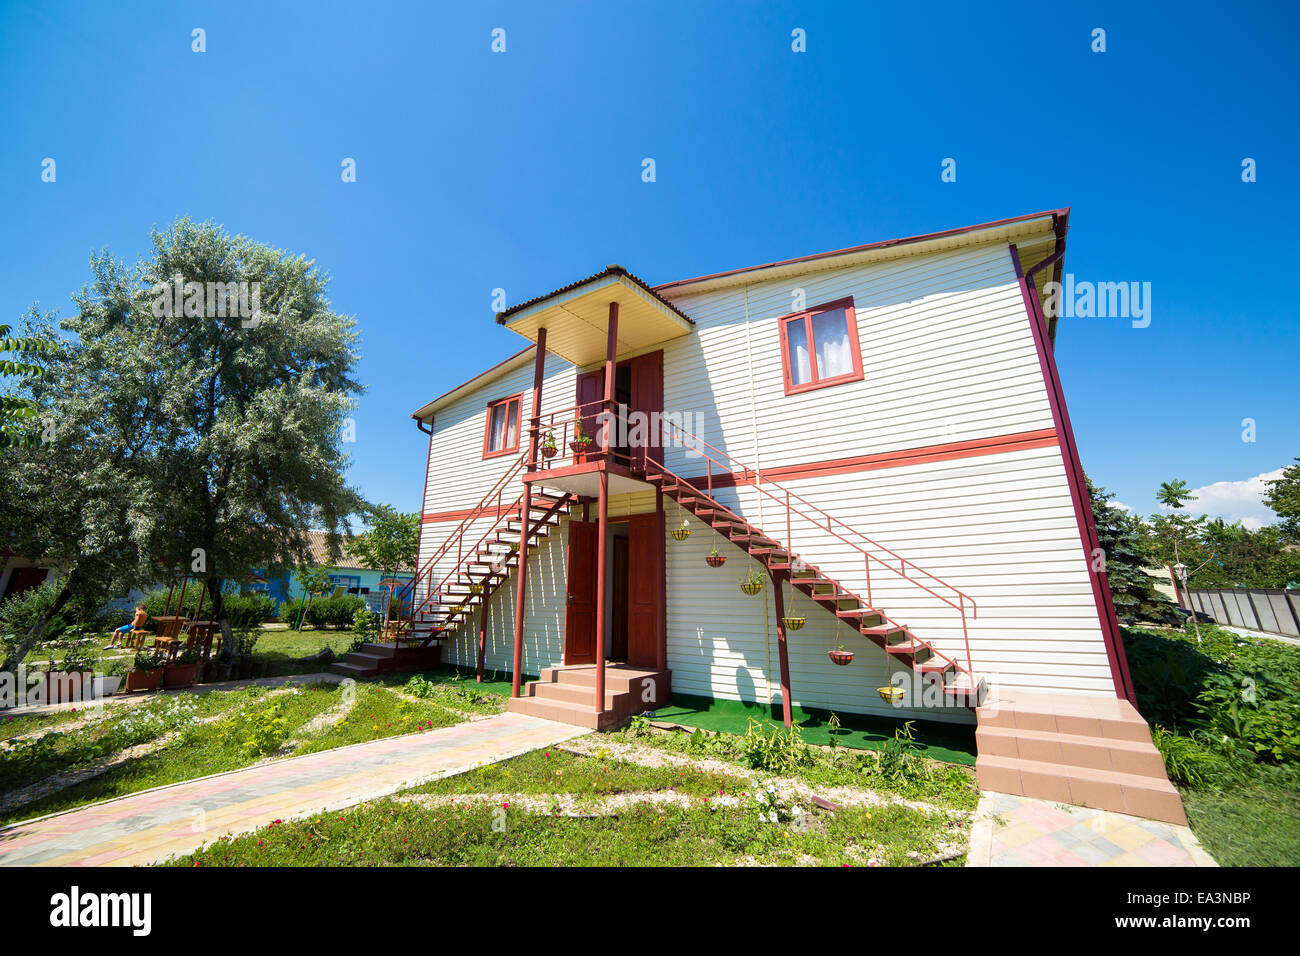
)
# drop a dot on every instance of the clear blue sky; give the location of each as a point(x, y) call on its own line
point(522, 170)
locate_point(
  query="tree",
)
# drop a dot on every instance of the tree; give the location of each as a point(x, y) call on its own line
point(313, 581)
point(75, 497)
point(237, 377)
point(1283, 497)
point(392, 543)
point(1131, 589)
point(17, 411)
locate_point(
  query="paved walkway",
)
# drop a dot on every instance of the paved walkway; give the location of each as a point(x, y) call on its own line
point(149, 827)
point(1020, 831)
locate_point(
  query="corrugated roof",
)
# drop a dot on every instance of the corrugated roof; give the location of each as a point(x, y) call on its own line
point(318, 548)
point(614, 270)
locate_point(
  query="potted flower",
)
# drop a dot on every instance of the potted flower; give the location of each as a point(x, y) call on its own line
point(682, 531)
point(840, 656)
point(581, 443)
point(66, 680)
point(890, 694)
point(716, 558)
point(106, 684)
point(793, 622)
point(146, 672)
point(752, 582)
point(182, 671)
point(549, 448)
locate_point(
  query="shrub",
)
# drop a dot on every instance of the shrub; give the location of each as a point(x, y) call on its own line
point(20, 612)
point(365, 622)
point(334, 612)
point(244, 611)
point(774, 750)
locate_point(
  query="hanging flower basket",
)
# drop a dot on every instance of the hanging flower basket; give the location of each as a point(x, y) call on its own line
point(716, 560)
point(579, 447)
point(794, 623)
point(890, 694)
point(682, 532)
point(549, 451)
point(842, 658)
point(751, 585)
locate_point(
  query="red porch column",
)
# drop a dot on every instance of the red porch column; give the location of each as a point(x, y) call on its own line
point(521, 584)
point(602, 521)
point(782, 651)
point(661, 661)
point(482, 636)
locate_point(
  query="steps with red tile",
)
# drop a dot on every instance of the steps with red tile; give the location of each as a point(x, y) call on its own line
point(1072, 748)
point(568, 694)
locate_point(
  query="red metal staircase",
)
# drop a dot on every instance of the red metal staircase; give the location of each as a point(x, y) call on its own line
point(436, 603)
point(957, 678)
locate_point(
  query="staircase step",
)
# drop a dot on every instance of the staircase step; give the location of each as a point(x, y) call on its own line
point(563, 712)
point(1141, 796)
point(1076, 750)
point(574, 694)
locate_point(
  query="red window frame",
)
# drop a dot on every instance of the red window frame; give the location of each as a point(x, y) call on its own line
point(806, 317)
point(488, 451)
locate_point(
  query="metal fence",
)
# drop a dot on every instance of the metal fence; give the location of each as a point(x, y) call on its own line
point(1274, 610)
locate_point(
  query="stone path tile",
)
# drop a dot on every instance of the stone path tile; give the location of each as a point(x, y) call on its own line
point(1019, 831)
point(151, 826)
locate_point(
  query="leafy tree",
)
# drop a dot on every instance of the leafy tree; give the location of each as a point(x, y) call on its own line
point(313, 581)
point(1131, 589)
point(75, 498)
point(1283, 497)
point(217, 437)
point(17, 411)
point(391, 544)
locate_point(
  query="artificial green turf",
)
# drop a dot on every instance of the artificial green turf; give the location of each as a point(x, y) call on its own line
point(947, 742)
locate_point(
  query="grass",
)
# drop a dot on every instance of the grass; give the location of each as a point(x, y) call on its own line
point(474, 832)
point(251, 724)
point(952, 743)
point(898, 768)
point(1227, 711)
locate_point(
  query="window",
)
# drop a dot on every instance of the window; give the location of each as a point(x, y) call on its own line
point(502, 434)
point(820, 347)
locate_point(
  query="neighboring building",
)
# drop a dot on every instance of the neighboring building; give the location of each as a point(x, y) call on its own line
point(19, 574)
point(346, 573)
point(878, 434)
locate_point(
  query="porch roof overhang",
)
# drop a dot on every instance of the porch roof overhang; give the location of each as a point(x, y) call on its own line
point(576, 317)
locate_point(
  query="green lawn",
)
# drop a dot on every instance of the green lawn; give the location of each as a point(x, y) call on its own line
point(714, 820)
point(1230, 711)
point(213, 732)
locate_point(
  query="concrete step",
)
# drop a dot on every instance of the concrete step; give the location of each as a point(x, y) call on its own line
point(1138, 757)
point(1141, 796)
point(621, 680)
point(563, 712)
point(355, 671)
point(574, 694)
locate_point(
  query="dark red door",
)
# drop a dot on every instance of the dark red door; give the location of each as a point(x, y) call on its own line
point(645, 552)
point(648, 399)
point(580, 611)
point(591, 390)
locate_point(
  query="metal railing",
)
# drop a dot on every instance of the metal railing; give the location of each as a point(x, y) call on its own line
point(793, 503)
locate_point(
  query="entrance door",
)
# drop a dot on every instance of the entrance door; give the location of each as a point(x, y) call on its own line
point(645, 559)
point(618, 600)
point(580, 608)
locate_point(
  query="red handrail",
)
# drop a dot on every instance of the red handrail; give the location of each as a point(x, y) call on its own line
point(457, 535)
point(824, 521)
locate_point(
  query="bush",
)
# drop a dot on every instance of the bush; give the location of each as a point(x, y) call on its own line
point(365, 623)
point(325, 612)
point(244, 611)
point(776, 751)
point(20, 612)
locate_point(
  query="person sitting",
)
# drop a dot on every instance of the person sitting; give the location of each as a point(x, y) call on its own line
point(137, 623)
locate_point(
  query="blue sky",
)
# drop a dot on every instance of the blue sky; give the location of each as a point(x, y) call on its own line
point(521, 170)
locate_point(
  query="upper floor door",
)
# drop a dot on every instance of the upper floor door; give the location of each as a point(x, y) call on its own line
point(639, 386)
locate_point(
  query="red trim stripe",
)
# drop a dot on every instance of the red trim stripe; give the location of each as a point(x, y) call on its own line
point(972, 448)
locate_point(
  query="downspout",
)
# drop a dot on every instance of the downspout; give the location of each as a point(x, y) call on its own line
point(1108, 620)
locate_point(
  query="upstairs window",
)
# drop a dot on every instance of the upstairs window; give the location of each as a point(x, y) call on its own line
point(820, 347)
point(502, 435)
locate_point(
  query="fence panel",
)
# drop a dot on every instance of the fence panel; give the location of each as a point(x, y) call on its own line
point(1272, 610)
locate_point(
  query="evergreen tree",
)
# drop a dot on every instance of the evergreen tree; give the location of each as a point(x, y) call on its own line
point(1131, 589)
